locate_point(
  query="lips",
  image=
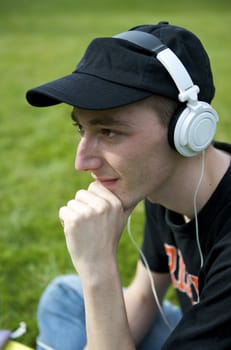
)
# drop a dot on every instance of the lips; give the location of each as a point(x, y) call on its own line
point(106, 182)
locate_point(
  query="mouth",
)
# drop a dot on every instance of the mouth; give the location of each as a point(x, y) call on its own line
point(106, 182)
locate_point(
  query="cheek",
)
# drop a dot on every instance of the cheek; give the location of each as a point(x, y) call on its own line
point(150, 161)
point(141, 156)
point(152, 149)
point(142, 159)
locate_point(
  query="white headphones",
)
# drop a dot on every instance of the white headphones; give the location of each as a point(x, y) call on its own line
point(193, 129)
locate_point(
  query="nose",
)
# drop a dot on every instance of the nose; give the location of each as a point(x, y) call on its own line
point(87, 155)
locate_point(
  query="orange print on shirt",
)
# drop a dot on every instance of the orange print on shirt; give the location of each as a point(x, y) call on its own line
point(181, 279)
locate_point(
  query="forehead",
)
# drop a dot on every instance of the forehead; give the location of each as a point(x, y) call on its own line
point(128, 116)
point(95, 118)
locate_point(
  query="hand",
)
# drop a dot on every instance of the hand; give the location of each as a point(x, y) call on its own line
point(93, 223)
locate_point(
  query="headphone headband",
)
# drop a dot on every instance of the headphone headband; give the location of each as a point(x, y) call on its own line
point(187, 90)
point(193, 130)
point(142, 39)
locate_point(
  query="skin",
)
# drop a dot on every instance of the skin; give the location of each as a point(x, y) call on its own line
point(120, 151)
point(127, 153)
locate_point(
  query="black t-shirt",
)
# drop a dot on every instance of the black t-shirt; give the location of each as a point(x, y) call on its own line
point(204, 293)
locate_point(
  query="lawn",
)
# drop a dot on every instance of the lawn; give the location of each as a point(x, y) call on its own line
point(39, 41)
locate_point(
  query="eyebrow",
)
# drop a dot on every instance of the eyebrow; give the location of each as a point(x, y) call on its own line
point(104, 120)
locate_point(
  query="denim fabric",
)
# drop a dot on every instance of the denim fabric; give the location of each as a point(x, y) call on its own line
point(61, 318)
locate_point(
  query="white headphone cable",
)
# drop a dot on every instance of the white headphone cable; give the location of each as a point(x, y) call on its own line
point(197, 240)
point(195, 208)
point(149, 273)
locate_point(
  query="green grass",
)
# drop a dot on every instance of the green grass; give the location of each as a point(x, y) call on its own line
point(39, 41)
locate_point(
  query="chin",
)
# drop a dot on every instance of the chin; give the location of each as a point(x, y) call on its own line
point(129, 203)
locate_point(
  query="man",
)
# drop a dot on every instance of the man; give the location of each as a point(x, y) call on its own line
point(141, 102)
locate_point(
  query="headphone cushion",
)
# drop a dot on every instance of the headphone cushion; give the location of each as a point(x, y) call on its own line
point(193, 129)
point(172, 125)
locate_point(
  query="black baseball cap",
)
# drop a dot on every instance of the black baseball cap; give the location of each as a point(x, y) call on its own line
point(114, 72)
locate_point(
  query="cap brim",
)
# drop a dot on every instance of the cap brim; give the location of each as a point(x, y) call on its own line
point(84, 91)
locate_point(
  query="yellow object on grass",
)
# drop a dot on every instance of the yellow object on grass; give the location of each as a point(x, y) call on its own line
point(14, 345)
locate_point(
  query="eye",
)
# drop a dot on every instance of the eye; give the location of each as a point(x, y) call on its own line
point(79, 127)
point(108, 132)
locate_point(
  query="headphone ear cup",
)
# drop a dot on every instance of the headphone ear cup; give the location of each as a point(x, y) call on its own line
point(172, 125)
point(193, 129)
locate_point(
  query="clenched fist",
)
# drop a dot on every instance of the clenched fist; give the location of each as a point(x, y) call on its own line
point(93, 223)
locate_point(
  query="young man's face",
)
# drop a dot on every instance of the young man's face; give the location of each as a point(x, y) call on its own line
point(126, 150)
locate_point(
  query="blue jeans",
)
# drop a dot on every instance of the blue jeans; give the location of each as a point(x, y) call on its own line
point(61, 318)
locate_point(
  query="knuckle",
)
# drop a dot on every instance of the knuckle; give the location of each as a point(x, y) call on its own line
point(92, 186)
point(79, 193)
point(71, 203)
point(102, 207)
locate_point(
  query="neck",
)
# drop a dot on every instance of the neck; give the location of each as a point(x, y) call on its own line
point(182, 185)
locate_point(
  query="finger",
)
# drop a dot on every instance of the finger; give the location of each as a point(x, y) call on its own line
point(72, 208)
point(93, 200)
point(69, 219)
point(65, 214)
point(103, 192)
